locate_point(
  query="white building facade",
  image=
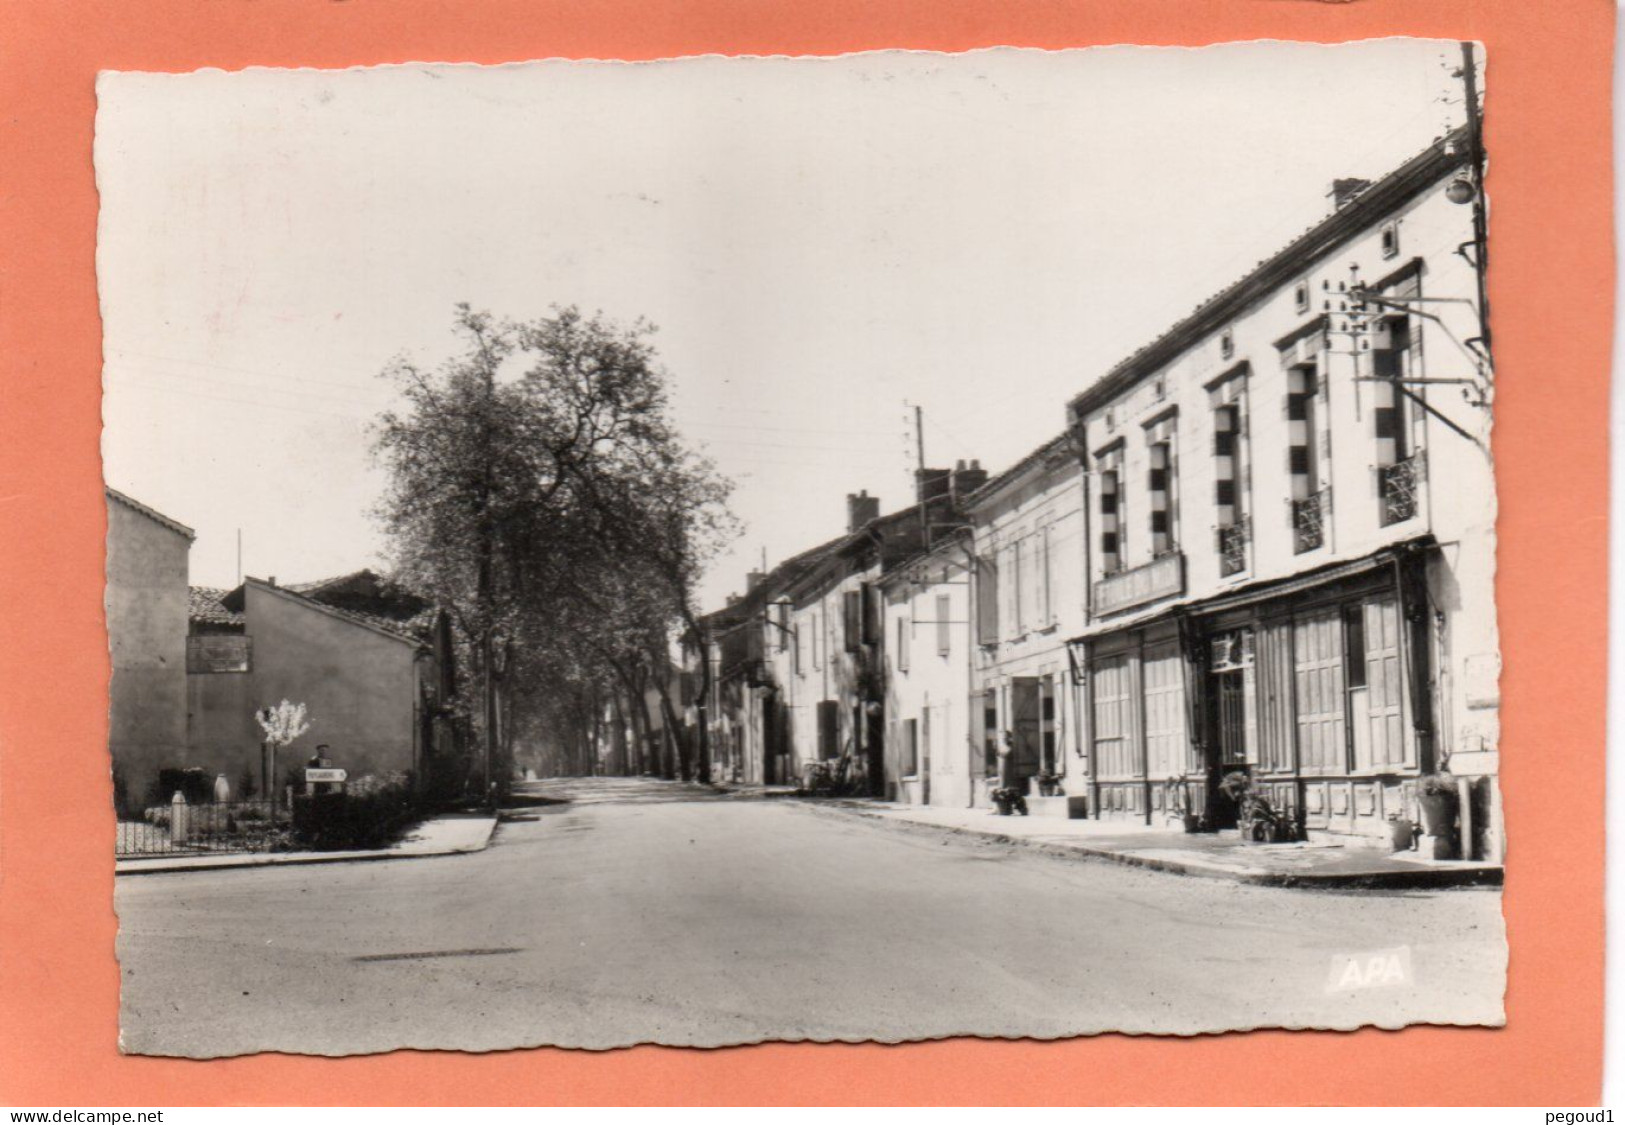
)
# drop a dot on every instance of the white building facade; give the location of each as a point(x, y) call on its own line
point(928, 634)
point(1290, 532)
point(1029, 543)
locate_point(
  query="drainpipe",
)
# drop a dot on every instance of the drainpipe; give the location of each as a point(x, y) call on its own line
point(1081, 693)
point(1427, 755)
point(967, 544)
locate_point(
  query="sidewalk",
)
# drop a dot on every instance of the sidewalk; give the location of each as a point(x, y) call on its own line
point(1222, 856)
point(453, 834)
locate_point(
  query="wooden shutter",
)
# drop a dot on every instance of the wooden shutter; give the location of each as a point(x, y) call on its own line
point(874, 614)
point(1013, 583)
point(1113, 737)
point(852, 619)
point(1046, 598)
point(829, 734)
point(1277, 720)
point(1391, 746)
point(1165, 736)
point(944, 637)
point(987, 600)
point(1317, 642)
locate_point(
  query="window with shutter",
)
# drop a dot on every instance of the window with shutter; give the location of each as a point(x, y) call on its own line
point(944, 638)
point(829, 719)
point(1046, 574)
point(852, 619)
point(904, 627)
point(1017, 626)
point(987, 600)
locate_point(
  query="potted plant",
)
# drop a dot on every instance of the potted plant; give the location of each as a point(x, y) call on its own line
point(1258, 820)
point(1436, 794)
point(1049, 785)
point(1403, 833)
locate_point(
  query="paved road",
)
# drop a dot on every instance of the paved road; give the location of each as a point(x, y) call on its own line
point(644, 912)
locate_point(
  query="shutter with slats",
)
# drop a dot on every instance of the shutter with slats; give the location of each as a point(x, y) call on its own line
point(1277, 722)
point(1317, 642)
point(1391, 745)
point(1165, 738)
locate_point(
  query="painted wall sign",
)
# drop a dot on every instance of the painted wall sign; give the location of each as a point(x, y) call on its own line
point(226, 652)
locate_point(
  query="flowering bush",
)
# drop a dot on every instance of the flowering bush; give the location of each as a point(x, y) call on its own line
point(282, 723)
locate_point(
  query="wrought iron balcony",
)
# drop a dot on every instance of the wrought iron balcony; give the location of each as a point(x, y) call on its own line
point(1233, 539)
point(1309, 517)
point(1400, 486)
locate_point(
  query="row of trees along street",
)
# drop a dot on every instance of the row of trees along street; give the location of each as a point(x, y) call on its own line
point(539, 492)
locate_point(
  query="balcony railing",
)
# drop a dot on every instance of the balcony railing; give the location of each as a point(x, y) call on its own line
point(1233, 539)
point(1400, 486)
point(1309, 517)
point(1163, 576)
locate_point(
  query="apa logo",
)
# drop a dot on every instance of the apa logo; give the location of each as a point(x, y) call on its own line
point(1379, 968)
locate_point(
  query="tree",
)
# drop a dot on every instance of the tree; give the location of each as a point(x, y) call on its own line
point(540, 493)
point(281, 725)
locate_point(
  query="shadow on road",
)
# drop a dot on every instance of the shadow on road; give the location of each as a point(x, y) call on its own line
point(608, 790)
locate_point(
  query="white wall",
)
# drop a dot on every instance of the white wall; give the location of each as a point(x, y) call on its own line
point(933, 689)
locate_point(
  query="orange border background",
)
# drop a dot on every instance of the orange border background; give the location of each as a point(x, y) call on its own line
point(1549, 81)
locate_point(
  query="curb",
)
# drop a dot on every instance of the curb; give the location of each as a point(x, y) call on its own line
point(1437, 877)
point(173, 864)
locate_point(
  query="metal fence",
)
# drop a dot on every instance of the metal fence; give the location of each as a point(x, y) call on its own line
point(211, 827)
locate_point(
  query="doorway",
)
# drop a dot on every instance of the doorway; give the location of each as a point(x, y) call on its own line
point(1026, 726)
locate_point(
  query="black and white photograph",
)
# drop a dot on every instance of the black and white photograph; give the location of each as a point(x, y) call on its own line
point(874, 548)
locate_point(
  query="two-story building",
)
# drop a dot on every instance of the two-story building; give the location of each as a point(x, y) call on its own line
point(799, 660)
point(1029, 530)
point(929, 631)
point(1290, 529)
point(146, 602)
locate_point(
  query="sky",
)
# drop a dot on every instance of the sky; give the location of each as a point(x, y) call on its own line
point(823, 244)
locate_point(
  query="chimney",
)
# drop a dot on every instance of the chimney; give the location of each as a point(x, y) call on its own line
point(931, 483)
point(754, 579)
point(860, 509)
point(271, 581)
point(1344, 190)
point(967, 479)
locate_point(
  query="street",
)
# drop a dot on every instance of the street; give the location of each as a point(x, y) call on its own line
point(636, 911)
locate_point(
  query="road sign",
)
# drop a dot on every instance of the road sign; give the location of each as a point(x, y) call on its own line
point(315, 776)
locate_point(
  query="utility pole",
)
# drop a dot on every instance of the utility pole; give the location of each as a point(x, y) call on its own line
point(1475, 152)
point(919, 476)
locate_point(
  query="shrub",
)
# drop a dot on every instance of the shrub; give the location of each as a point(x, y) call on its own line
point(370, 814)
